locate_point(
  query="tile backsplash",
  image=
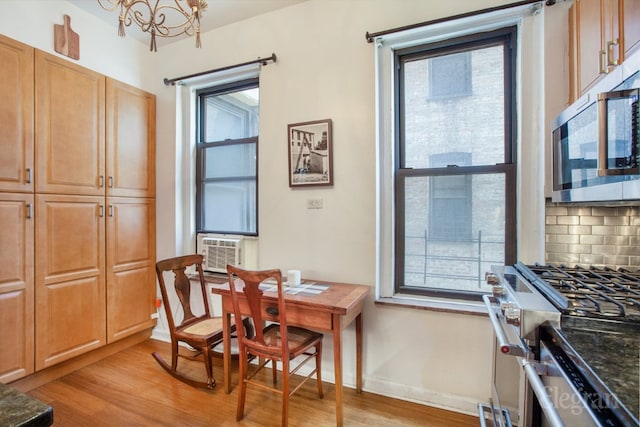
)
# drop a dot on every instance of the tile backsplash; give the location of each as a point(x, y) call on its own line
point(592, 235)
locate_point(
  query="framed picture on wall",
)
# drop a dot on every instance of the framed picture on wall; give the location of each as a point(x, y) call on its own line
point(310, 153)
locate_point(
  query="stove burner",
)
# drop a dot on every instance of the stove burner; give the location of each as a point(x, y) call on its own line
point(593, 292)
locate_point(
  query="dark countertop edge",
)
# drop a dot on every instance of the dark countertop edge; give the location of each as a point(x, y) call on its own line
point(43, 419)
point(22, 409)
point(596, 382)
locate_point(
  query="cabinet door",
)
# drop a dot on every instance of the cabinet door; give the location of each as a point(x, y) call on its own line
point(131, 283)
point(69, 127)
point(631, 24)
point(589, 56)
point(131, 139)
point(16, 116)
point(16, 286)
point(611, 43)
point(70, 280)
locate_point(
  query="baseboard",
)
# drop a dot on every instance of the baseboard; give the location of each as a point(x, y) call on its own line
point(161, 335)
point(61, 369)
point(450, 402)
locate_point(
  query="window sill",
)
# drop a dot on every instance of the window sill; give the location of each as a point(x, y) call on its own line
point(434, 304)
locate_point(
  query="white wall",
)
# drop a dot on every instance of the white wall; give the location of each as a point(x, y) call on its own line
point(325, 69)
point(32, 21)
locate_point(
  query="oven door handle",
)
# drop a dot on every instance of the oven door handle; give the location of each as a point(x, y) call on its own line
point(505, 346)
point(541, 393)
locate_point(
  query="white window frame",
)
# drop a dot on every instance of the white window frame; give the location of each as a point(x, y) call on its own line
point(529, 19)
point(185, 148)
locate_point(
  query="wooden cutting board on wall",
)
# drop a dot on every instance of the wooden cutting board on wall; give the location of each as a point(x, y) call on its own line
point(66, 41)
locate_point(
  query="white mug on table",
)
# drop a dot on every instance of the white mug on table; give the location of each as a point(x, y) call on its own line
point(293, 277)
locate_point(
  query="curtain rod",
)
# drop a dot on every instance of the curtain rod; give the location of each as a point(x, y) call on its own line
point(371, 36)
point(262, 61)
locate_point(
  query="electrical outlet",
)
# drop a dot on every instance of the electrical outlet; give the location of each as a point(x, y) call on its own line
point(154, 315)
point(314, 203)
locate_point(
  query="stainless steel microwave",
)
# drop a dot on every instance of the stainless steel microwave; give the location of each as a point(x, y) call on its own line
point(596, 141)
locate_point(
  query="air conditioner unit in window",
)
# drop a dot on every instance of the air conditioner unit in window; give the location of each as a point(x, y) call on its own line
point(220, 250)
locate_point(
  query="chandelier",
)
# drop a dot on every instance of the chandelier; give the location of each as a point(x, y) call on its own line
point(162, 20)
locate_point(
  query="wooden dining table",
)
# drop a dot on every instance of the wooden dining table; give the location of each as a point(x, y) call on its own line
point(320, 305)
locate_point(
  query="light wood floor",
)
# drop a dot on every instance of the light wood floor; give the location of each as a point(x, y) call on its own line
point(130, 389)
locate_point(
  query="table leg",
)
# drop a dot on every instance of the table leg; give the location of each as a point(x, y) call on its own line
point(226, 343)
point(337, 363)
point(359, 353)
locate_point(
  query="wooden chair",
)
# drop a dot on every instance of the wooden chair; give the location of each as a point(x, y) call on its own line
point(202, 333)
point(276, 342)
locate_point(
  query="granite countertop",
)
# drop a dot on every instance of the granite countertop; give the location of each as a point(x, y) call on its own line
point(19, 410)
point(608, 353)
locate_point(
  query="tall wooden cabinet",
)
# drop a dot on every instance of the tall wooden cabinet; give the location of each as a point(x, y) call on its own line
point(602, 34)
point(16, 210)
point(88, 279)
point(95, 146)
point(131, 225)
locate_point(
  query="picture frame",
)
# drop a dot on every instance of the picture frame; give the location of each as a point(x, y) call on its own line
point(310, 153)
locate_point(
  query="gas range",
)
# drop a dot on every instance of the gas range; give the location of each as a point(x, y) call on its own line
point(595, 292)
point(599, 328)
point(570, 336)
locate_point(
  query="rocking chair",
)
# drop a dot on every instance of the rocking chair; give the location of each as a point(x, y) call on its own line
point(201, 333)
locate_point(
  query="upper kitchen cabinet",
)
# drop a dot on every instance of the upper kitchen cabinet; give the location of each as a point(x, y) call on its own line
point(631, 25)
point(70, 127)
point(131, 118)
point(602, 34)
point(16, 116)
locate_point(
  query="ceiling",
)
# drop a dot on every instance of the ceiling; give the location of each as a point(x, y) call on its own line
point(217, 14)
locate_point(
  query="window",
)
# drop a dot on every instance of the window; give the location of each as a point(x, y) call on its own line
point(454, 176)
point(226, 158)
